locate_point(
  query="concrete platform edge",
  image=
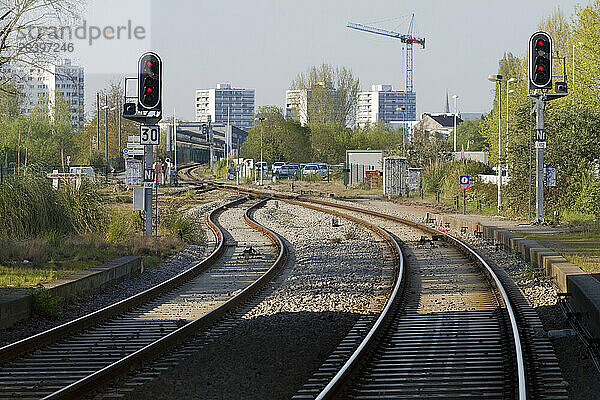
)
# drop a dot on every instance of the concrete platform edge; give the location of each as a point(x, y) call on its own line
point(16, 307)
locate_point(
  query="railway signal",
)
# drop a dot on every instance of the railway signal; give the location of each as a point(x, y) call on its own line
point(540, 61)
point(150, 82)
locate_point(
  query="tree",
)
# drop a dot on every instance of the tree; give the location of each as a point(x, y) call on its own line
point(427, 149)
point(469, 137)
point(327, 95)
point(283, 139)
point(91, 145)
point(329, 142)
point(380, 136)
point(30, 23)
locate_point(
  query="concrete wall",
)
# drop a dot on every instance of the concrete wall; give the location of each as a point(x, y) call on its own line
point(17, 306)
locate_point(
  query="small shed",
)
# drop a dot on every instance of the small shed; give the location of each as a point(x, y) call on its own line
point(360, 161)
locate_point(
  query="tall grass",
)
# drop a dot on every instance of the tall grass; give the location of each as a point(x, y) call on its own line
point(30, 207)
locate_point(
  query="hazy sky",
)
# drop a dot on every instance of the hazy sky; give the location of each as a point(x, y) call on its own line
point(264, 44)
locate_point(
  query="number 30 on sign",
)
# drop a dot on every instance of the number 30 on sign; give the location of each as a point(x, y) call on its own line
point(149, 134)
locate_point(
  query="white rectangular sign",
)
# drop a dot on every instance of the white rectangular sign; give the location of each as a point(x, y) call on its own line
point(149, 135)
point(133, 152)
point(133, 139)
point(540, 145)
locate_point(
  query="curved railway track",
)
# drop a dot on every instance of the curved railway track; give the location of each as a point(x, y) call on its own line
point(455, 331)
point(78, 357)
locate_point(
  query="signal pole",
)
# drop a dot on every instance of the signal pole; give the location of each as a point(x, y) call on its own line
point(540, 144)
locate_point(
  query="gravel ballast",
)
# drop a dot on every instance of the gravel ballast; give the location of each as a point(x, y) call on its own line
point(335, 274)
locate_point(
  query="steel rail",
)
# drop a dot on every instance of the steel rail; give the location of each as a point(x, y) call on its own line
point(15, 349)
point(521, 379)
point(91, 382)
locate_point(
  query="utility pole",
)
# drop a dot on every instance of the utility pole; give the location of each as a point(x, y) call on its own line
point(120, 124)
point(175, 145)
point(98, 121)
point(106, 130)
point(211, 145)
point(227, 138)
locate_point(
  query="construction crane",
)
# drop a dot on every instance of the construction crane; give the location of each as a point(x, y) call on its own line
point(407, 39)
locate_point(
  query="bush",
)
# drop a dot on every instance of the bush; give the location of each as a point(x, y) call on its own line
point(45, 304)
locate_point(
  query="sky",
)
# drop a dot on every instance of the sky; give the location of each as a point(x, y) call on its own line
point(264, 44)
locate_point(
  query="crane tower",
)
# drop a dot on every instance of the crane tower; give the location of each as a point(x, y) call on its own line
point(408, 39)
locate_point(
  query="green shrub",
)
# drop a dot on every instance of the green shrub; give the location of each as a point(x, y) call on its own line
point(45, 304)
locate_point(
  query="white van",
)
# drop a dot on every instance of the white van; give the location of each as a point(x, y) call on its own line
point(87, 171)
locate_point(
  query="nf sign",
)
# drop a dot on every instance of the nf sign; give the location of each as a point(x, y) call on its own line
point(149, 175)
point(540, 135)
point(149, 135)
point(464, 182)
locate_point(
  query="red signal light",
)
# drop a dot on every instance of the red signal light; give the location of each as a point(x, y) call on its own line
point(149, 90)
point(540, 68)
point(541, 43)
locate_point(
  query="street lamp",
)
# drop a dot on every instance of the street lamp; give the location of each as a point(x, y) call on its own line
point(455, 97)
point(574, 44)
point(106, 109)
point(260, 119)
point(403, 110)
point(507, 93)
point(498, 79)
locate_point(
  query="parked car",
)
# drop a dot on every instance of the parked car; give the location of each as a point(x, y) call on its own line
point(311, 169)
point(287, 171)
point(264, 165)
point(277, 165)
point(324, 167)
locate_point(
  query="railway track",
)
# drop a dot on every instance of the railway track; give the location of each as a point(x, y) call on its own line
point(75, 358)
point(455, 327)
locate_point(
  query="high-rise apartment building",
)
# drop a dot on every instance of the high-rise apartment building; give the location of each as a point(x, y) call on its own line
point(39, 86)
point(226, 103)
point(385, 104)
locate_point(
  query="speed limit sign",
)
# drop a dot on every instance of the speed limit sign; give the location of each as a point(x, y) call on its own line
point(149, 134)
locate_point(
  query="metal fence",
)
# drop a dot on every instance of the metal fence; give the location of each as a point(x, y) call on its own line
point(354, 174)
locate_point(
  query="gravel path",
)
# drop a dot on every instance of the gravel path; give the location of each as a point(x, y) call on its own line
point(128, 287)
point(578, 370)
point(335, 274)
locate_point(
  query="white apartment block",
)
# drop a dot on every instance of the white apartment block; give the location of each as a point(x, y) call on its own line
point(39, 85)
point(296, 105)
point(224, 100)
point(382, 103)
